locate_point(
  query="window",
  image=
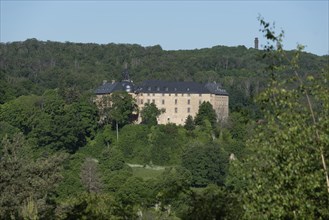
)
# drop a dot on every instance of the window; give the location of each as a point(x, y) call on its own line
point(148, 94)
point(176, 110)
point(148, 101)
point(188, 110)
point(153, 94)
point(158, 88)
point(162, 94)
point(141, 94)
point(200, 102)
point(169, 94)
point(176, 94)
point(200, 94)
point(175, 101)
point(164, 110)
point(163, 101)
point(182, 94)
point(142, 101)
point(188, 102)
point(166, 89)
point(153, 101)
point(149, 88)
point(188, 94)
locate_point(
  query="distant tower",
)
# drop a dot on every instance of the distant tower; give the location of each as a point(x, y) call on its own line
point(256, 43)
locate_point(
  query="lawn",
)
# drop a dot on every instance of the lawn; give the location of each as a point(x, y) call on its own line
point(146, 173)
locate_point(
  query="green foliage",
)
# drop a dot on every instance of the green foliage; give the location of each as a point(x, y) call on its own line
point(278, 174)
point(207, 164)
point(89, 206)
point(90, 177)
point(189, 123)
point(134, 143)
point(24, 179)
point(133, 192)
point(284, 177)
point(150, 114)
point(212, 202)
point(21, 113)
point(49, 121)
point(206, 112)
point(167, 144)
point(147, 173)
point(172, 183)
point(122, 109)
point(7, 130)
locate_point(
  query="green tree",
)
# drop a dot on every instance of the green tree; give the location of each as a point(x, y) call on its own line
point(89, 206)
point(122, 110)
point(90, 177)
point(212, 202)
point(189, 123)
point(207, 164)
point(134, 143)
point(206, 112)
point(286, 177)
point(150, 113)
point(24, 179)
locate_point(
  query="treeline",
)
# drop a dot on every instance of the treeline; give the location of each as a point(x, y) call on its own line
point(32, 66)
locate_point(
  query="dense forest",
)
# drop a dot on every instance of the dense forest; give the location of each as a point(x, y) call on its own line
point(58, 160)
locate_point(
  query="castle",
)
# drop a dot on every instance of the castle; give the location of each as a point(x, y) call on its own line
point(177, 99)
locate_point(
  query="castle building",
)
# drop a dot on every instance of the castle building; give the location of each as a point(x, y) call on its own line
point(177, 99)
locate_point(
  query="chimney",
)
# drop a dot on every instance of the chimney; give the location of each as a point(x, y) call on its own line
point(104, 81)
point(113, 81)
point(256, 43)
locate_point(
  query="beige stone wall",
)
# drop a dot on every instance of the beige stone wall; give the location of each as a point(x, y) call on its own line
point(178, 106)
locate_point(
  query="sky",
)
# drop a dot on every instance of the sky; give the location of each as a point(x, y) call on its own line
point(173, 25)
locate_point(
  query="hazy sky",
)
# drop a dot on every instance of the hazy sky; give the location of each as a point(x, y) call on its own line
point(172, 24)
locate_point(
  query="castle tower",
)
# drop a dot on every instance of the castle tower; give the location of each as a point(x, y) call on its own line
point(256, 43)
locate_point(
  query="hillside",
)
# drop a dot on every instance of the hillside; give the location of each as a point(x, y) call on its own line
point(32, 66)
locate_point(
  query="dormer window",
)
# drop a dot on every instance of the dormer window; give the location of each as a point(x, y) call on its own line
point(166, 89)
point(149, 88)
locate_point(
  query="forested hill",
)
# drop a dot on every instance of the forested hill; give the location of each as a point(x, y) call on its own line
point(32, 66)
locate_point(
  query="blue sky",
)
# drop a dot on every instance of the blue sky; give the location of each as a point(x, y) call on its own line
point(172, 24)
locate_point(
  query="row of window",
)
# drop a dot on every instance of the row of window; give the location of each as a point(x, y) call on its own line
point(176, 94)
point(188, 110)
point(163, 101)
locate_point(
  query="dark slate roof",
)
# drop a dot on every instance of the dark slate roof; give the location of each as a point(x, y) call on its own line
point(115, 86)
point(158, 86)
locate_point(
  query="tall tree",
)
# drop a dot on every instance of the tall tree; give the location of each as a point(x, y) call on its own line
point(285, 176)
point(25, 180)
point(207, 164)
point(189, 123)
point(89, 176)
point(150, 113)
point(206, 112)
point(123, 109)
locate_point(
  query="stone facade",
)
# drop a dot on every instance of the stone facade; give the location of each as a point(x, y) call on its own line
point(177, 99)
point(177, 106)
